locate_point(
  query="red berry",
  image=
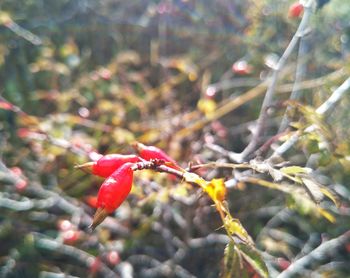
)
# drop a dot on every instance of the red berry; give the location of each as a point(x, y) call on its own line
point(113, 257)
point(152, 152)
point(115, 188)
point(107, 164)
point(241, 67)
point(295, 10)
point(113, 192)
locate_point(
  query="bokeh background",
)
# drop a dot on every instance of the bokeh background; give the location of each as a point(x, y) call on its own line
point(80, 78)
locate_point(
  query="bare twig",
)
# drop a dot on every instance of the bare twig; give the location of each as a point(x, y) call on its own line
point(271, 88)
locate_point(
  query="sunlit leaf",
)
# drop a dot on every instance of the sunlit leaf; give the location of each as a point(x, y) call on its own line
point(306, 206)
point(326, 215)
point(296, 170)
point(334, 198)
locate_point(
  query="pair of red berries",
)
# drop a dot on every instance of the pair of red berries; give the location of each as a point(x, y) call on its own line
point(117, 169)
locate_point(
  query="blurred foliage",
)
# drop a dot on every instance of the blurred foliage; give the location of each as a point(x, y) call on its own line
point(80, 78)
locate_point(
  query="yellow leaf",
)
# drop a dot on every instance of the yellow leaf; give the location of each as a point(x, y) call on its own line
point(296, 170)
point(330, 195)
point(216, 190)
point(326, 215)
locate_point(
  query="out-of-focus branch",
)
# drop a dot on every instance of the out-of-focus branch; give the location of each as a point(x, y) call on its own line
point(300, 72)
point(72, 253)
point(326, 106)
point(319, 253)
point(271, 88)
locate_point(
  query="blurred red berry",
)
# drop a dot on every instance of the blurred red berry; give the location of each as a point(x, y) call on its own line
point(241, 67)
point(64, 225)
point(21, 184)
point(105, 74)
point(6, 105)
point(283, 263)
point(347, 247)
point(295, 10)
point(17, 171)
point(94, 265)
point(70, 236)
point(211, 91)
point(113, 257)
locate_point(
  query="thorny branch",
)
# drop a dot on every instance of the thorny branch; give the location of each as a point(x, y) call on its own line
point(271, 88)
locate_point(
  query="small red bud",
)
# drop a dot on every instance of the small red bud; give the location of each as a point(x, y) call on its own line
point(295, 10)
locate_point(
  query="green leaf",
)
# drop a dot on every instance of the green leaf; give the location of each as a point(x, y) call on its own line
point(293, 170)
point(252, 256)
point(233, 265)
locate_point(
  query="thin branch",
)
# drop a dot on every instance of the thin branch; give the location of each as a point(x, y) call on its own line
point(320, 252)
point(71, 252)
point(326, 106)
point(271, 88)
point(300, 72)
